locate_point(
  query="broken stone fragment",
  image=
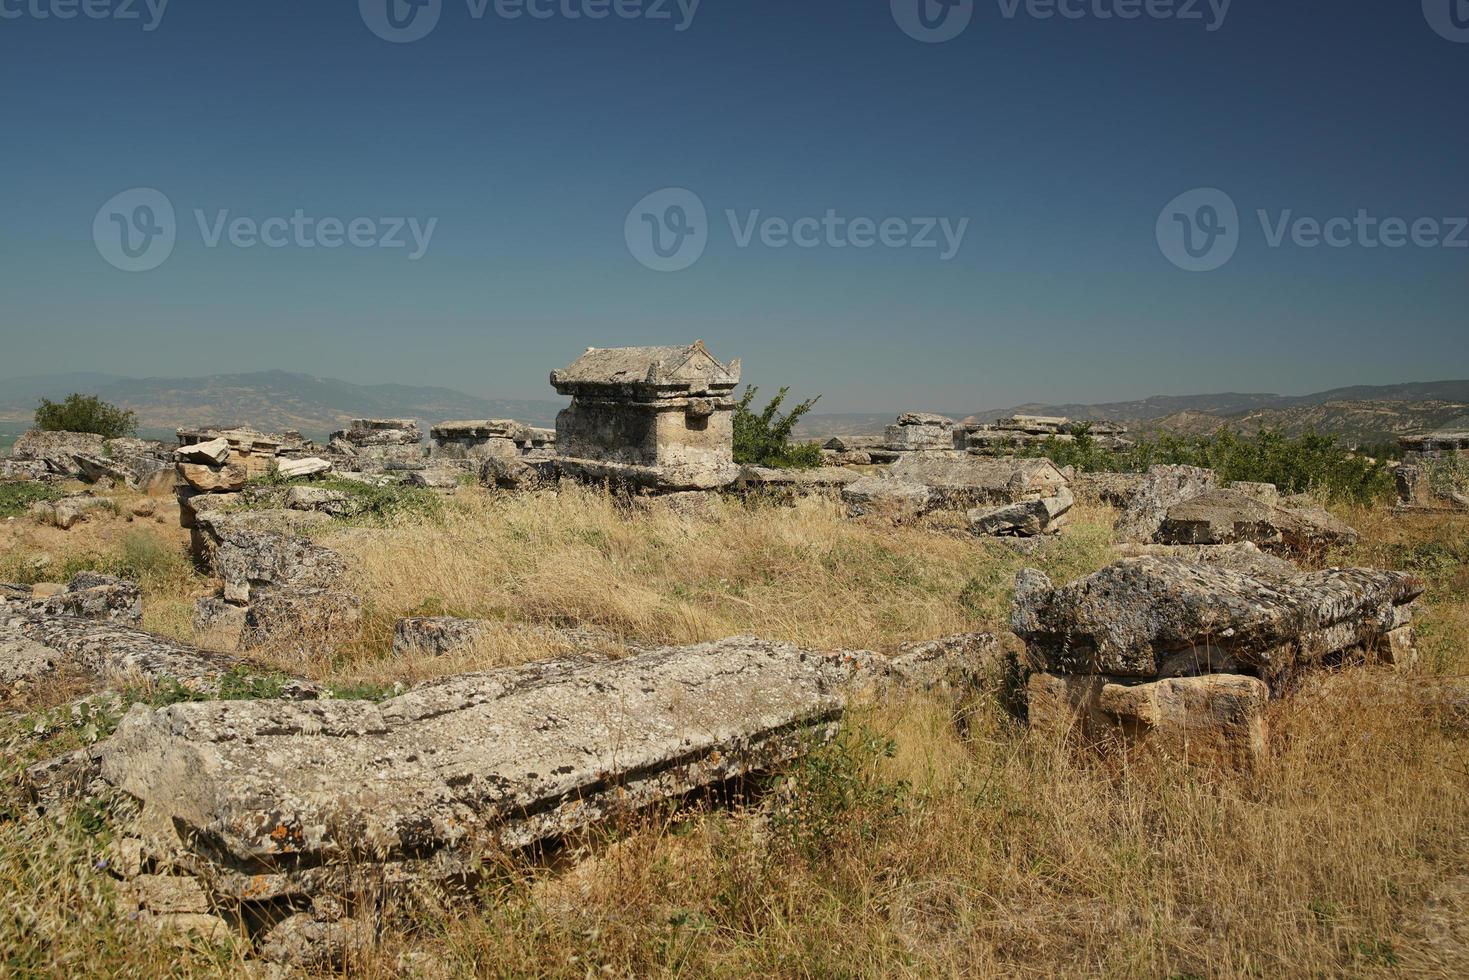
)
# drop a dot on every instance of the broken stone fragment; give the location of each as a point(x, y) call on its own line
point(1159, 489)
point(918, 431)
point(212, 452)
point(68, 512)
point(319, 618)
point(1213, 719)
point(436, 479)
point(24, 660)
point(57, 450)
point(962, 480)
point(886, 496)
point(1227, 516)
point(334, 502)
point(214, 479)
point(98, 469)
point(435, 635)
point(292, 469)
point(255, 549)
point(1025, 519)
point(116, 652)
point(97, 596)
point(516, 473)
point(1150, 617)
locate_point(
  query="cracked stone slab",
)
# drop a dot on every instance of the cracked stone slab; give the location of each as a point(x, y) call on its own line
point(1152, 616)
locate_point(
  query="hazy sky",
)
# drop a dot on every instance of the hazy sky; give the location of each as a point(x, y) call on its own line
point(523, 148)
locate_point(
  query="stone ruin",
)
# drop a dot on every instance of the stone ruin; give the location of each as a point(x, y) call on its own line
point(474, 441)
point(379, 445)
point(1020, 431)
point(289, 819)
point(1186, 651)
point(657, 418)
point(1422, 478)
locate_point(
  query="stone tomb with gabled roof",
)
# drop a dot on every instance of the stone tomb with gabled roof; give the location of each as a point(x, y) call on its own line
point(661, 418)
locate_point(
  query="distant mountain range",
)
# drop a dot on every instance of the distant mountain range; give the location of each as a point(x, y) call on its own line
point(279, 400)
point(268, 400)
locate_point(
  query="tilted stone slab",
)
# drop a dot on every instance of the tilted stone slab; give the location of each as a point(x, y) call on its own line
point(112, 650)
point(1151, 616)
point(480, 762)
point(1156, 491)
point(1228, 516)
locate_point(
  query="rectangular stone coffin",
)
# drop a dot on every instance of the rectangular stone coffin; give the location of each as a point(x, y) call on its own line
point(1159, 617)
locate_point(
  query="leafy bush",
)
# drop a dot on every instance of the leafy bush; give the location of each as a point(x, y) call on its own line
point(1296, 465)
point(86, 413)
point(16, 498)
point(764, 439)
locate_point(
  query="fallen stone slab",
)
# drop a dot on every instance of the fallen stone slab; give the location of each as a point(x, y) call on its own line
point(1159, 617)
point(122, 654)
point(1227, 516)
point(276, 803)
point(92, 595)
point(292, 469)
point(58, 449)
point(886, 496)
point(815, 479)
point(1025, 519)
point(1158, 490)
point(441, 479)
point(1243, 556)
point(517, 472)
point(1212, 720)
point(68, 512)
point(95, 469)
point(436, 635)
point(962, 480)
point(24, 660)
point(214, 479)
point(335, 503)
point(252, 550)
point(211, 452)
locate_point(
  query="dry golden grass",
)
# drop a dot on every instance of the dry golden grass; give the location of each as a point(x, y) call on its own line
point(912, 847)
point(649, 575)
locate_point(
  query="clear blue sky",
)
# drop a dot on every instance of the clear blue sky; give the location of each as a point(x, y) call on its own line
point(529, 140)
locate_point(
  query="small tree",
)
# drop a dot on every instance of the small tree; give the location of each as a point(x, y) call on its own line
point(764, 439)
point(86, 413)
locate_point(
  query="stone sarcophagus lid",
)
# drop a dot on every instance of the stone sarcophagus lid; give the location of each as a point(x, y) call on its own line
point(654, 417)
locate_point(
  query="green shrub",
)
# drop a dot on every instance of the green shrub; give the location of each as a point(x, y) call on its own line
point(86, 413)
point(1305, 463)
point(764, 439)
point(16, 498)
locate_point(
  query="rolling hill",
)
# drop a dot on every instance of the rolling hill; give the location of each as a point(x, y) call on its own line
point(269, 400)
